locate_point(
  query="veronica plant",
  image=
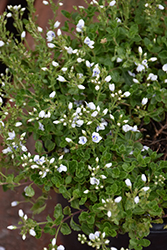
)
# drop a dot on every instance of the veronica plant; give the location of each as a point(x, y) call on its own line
point(93, 95)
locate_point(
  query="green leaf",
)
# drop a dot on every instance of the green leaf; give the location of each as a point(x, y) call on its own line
point(10, 178)
point(68, 179)
point(111, 189)
point(144, 242)
point(127, 167)
point(49, 145)
point(163, 54)
point(67, 210)
point(86, 229)
point(133, 30)
point(39, 146)
point(58, 210)
point(48, 229)
point(74, 225)
point(66, 13)
point(29, 191)
point(75, 203)
point(38, 207)
point(65, 229)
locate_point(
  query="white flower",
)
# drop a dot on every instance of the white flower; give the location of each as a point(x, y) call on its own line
point(23, 34)
point(140, 50)
point(80, 86)
point(112, 87)
point(131, 74)
point(152, 77)
point(6, 150)
point(118, 199)
point(88, 64)
point(94, 181)
point(55, 64)
point(112, 3)
point(94, 114)
point(61, 79)
point(62, 168)
point(39, 160)
point(96, 137)
point(70, 105)
point(86, 191)
point(118, 20)
point(96, 71)
point(97, 87)
point(11, 135)
point(68, 139)
point(144, 101)
point(21, 213)
point(109, 214)
point(23, 237)
point(161, 7)
point(112, 117)
point(11, 227)
point(41, 126)
point(52, 160)
point(59, 32)
point(44, 68)
point(145, 189)
point(153, 59)
point(50, 35)
point(56, 25)
point(32, 232)
point(60, 247)
point(79, 60)
point(52, 95)
point(136, 199)
point(45, 2)
point(1, 43)
point(51, 45)
point(54, 242)
point(39, 29)
point(34, 166)
point(14, 203)
point(135, 80)
point(89, 42)
point(144, 62)
point(108, 165)
point(164, 68)
point(145, 148)
point(113, 248)
point(91, 105)
point(128, 183)
point(143, 177)
point(107, 79)
point(91, 236)
point(69, 50)
point(119, 60)
point(42, 114)
point(9, 15)
point(80, 25)
point(140, 68)
point(79, 123)
point(18, 124)
point(126, 128)
point(82, 140)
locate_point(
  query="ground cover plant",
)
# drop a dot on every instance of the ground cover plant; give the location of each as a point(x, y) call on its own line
point(93, 95)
